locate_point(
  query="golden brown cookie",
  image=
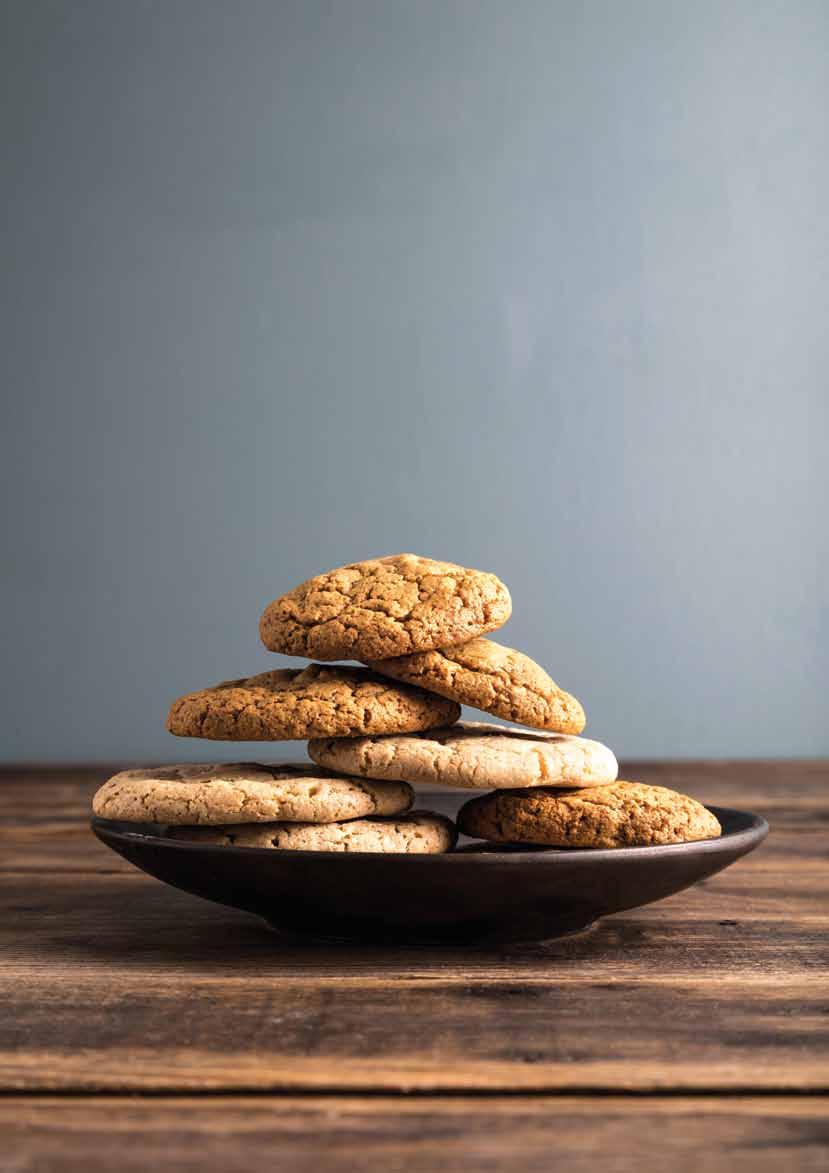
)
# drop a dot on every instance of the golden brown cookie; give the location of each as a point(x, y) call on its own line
point(471, 754)
point(244, 792)
point(625, 814)
point(420, 832)
point(385, 607)
point(488, 676)
point(317, 701)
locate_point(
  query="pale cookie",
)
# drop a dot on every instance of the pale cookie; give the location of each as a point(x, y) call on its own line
point(245, 793)
point(385, 607)
point(317, 701)
point(418, 833)
point(472, 754)
point(626, 814)
point(488, 676)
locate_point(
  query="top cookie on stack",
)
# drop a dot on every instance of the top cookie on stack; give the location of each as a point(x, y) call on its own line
point(385, 607)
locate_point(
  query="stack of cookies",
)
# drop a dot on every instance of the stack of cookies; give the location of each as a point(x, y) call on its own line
point(377, 731)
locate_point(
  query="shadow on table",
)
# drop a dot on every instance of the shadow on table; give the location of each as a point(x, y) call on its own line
point(123, 920)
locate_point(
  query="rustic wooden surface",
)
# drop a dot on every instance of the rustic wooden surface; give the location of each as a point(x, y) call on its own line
point(380, 1135)
point(140, 1026)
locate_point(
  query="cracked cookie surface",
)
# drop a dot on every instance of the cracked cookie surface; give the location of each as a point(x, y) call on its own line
point(385, 607)
point(418, 833)
point(471, 754)
point(491, 677)
point(245, 792)
point(317, 701)
point(624, 814)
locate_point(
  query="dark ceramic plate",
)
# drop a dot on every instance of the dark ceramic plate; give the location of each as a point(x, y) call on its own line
point(478, 893)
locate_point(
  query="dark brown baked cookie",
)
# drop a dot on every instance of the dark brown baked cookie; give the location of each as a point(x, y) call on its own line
point(488, 676)
point(623, 814)
point(385, 607)
point(317, 701)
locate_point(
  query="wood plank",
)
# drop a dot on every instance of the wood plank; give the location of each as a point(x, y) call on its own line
point(787, 789)
point(113, 983)
point(626, 1135)
point(44, 812)
point(787, 792)
point(94, 923)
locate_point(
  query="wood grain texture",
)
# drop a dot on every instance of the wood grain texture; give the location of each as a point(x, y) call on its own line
point(343, 1134)
point(109, 981)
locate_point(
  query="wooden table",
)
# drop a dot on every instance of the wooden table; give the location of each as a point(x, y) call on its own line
point(142, 1027)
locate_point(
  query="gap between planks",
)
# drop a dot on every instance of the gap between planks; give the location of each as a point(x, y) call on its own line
point(713, 1092)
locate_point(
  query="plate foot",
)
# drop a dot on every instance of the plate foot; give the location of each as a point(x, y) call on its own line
point(426, 936)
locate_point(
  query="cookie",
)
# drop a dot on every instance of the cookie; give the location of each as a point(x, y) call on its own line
point(625, 814)
point(488, 676)
point(317, 701)
point(245, 793)
point(418, 833)
point(385, 607)
point(472, 754)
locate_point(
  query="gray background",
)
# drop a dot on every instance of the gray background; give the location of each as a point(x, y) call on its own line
point(536, 287)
